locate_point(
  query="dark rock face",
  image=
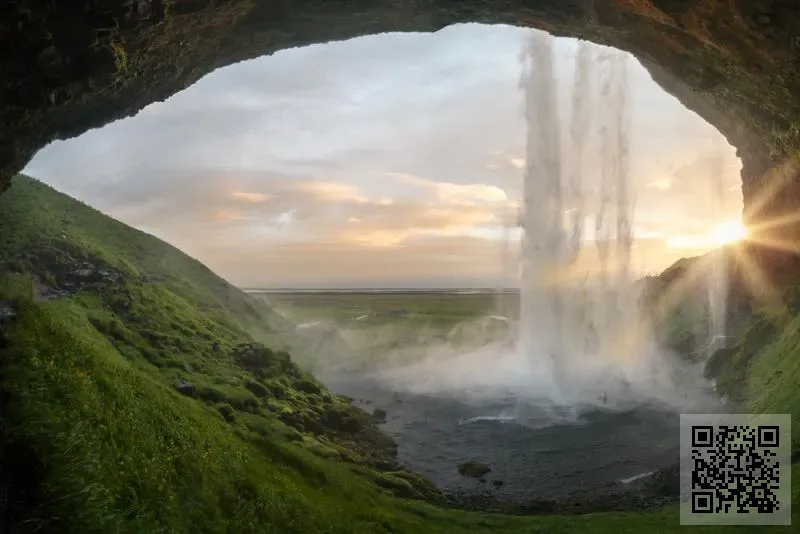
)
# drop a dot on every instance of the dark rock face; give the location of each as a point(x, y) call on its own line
point(474, 469)
point(67, 69)
point(81, 277)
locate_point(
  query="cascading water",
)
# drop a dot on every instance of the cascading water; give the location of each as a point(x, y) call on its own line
point(568, 322)
point(718, 276)
point(544, 241)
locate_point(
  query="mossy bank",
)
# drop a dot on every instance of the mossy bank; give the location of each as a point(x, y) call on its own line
point(142, 393)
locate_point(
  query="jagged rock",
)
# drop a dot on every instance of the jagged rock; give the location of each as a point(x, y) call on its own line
point(185, 388)
point(66, 277)
point(473, 469)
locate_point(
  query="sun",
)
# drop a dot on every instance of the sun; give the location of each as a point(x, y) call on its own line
point(730, 231)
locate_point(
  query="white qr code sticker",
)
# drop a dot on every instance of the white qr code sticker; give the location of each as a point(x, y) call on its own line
point(736, 469)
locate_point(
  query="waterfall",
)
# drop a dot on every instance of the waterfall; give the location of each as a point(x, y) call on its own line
point(571, 320)
point(544, 240)
point(718, 276)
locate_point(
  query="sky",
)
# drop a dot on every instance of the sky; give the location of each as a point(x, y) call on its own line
point(391, 160)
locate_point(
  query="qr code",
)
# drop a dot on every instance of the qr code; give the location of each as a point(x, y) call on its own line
point(735, 469)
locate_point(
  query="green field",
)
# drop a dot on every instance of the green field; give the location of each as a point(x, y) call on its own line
point(105, 327)
point(435, 308)
point(361, 329)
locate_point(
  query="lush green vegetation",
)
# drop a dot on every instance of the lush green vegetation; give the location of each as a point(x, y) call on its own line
point(96, 437)
point(373, 328)
point(370, 308)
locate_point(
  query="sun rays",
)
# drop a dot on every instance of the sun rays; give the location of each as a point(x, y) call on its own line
point(753, 251)
point(729, 232)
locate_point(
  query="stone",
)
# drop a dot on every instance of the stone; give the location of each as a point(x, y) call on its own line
point(378, 415)
point(473, 469)
point(185, 388)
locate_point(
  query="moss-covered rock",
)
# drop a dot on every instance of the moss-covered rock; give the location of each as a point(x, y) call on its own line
point(227, 412)
point(256, 388)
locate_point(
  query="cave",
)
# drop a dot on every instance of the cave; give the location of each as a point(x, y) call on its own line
point(68, 69)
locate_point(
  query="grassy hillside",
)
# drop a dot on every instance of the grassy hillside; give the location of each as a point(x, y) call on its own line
point(134, 399)
point(50, 234)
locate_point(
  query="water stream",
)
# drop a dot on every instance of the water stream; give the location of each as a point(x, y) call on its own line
point(718, 276)
point(577, 306)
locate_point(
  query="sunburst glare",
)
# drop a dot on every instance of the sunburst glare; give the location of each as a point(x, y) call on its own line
point(730, 231)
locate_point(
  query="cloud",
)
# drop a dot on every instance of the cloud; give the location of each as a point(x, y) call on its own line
point(390, 159)
point(453, 193)
point(250, 197)
point(332, 191)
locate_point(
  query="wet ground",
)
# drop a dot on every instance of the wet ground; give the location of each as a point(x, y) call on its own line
point(534, 451)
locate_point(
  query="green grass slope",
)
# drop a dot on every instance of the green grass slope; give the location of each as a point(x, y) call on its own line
point(97, 324)
point(44, 231)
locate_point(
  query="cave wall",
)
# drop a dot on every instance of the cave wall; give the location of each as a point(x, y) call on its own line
point(68, 66)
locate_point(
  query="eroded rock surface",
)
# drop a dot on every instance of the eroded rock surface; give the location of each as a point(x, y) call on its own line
point(68, 67)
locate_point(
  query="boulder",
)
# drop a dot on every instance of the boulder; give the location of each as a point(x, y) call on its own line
point(378, 415)
point(473, 469)
point(253, 357)
point(185, 388)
